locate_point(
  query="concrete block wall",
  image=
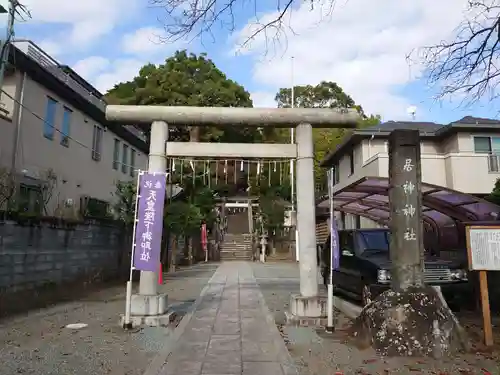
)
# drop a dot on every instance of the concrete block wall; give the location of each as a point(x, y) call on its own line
point(38, 256)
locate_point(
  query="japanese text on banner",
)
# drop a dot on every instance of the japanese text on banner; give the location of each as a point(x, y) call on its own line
point(149, 221)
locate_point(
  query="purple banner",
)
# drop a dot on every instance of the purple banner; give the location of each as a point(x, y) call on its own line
point(334, 244)
point(149, 226)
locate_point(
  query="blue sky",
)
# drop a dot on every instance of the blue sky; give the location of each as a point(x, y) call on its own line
point(360, 45)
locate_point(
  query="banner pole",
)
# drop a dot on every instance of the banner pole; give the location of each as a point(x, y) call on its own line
point(128, 298)
point(330, 327)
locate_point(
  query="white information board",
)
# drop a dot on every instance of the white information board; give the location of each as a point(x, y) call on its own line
point(483, 248)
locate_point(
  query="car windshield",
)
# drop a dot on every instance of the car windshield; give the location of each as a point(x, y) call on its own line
point(375, 240)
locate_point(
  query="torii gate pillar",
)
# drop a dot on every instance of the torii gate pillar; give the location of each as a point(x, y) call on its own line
point(308, 304)
point(306, 211)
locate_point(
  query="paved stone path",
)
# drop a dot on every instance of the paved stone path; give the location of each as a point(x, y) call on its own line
point(231, 331)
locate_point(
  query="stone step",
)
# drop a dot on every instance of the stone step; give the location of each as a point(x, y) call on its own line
point(246, 251)
point(236, 257)
point(235, 250)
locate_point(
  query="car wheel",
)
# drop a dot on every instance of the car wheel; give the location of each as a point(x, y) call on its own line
point(366, 295)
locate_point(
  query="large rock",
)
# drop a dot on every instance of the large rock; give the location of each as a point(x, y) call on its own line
point(416, 322)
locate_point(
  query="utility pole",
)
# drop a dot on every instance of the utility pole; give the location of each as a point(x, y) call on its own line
point(4, 57)
point(10, 7)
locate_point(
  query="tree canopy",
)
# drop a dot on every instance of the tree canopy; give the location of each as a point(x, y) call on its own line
point(494, 196)
point(467, 63)
point(187, 80)
point(324, 95)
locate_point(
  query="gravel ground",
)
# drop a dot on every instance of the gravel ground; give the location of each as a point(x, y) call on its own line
point(317, 353)
point(38, 343)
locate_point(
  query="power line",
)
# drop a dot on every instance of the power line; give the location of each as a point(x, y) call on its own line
point(4, 53)
point(262, 162)
point(45, 122)
point(15, 7)
point(52, 126)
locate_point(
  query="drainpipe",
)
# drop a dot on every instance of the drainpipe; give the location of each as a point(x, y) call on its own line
point(17, 119)
point(18, 114)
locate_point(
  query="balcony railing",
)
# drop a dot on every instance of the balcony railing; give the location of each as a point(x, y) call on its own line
point(31, 50)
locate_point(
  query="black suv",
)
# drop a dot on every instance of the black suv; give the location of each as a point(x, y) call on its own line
point(365, 265)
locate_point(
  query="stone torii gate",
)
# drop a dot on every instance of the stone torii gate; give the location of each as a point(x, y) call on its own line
point(148, 304)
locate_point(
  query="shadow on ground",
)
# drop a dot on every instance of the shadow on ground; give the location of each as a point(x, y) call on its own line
point(316, 353)
point(38, 342)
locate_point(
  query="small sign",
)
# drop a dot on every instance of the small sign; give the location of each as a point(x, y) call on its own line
point(483, 252)
point(483, 248)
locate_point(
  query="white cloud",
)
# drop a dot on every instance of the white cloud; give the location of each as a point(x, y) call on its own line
point(86, 20)
point(50, 47)
point(362, 45)
point(91, 66)
point(144, 40)
point(123, 70)
point(104, 73)
point(263, 99)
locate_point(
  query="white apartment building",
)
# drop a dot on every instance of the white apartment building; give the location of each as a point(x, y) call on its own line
point(460, 159)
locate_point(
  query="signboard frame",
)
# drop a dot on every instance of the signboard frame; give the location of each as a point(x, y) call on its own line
point(470, 254)
point(483, 281)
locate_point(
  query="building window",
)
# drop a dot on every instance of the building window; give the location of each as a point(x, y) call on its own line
point(490, 146)
point(125, 158)
point(66, 124)
point(116, 154)
point(132, 163)
point(30, 199)
point(487, 145)
point(351, 162)
point(50, 118)
point(97, 143)
point(93, 207)
point(336, 171)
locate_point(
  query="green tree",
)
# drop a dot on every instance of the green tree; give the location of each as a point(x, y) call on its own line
point(7, 189)
point(324, 95)
point(187, 80)
point(185, 215)
point(182, 219)
point(124, 204)
point(494, 196)
point(274, 195)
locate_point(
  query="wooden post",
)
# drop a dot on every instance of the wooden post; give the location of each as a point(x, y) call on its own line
point(485, 307)
point(405, 201)
point(483, 250)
